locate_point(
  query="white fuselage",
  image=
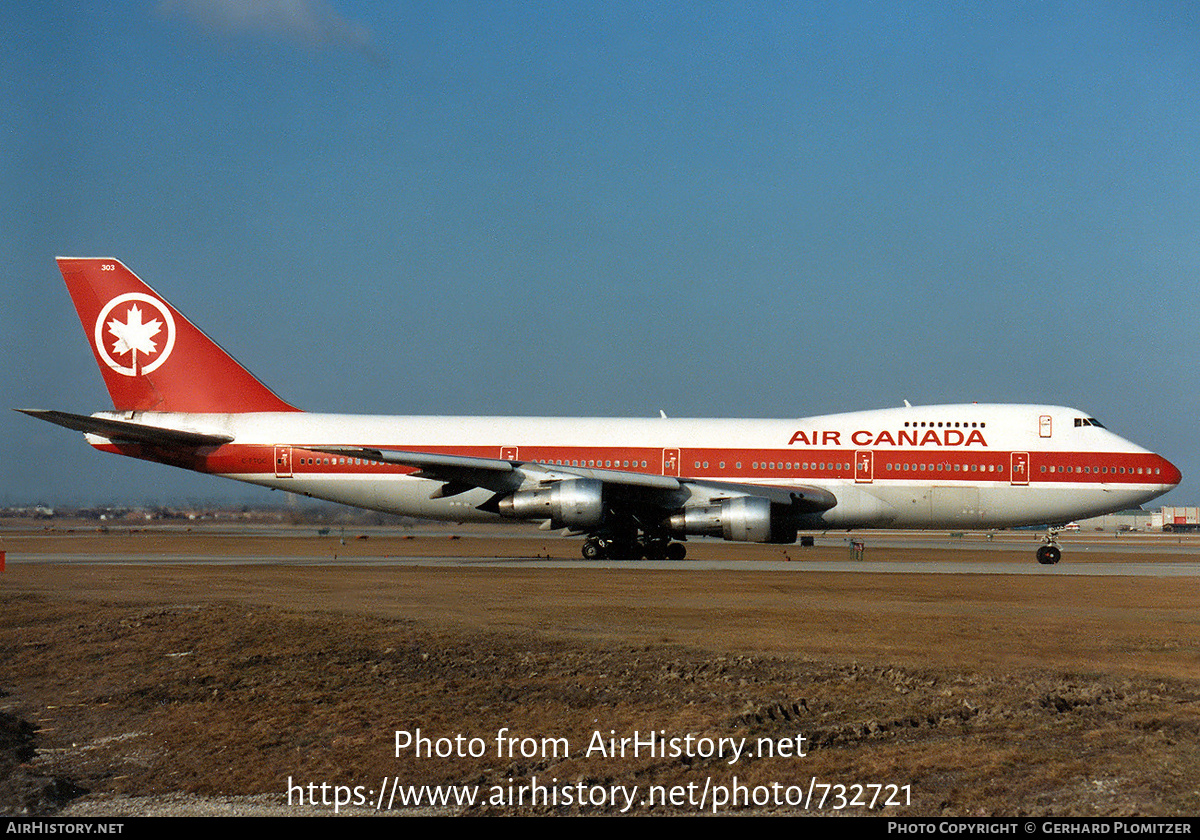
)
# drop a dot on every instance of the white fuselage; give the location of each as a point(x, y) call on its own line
point(970, 466)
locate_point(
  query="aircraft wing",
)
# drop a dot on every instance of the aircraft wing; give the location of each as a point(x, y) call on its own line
point(126, 431)
point(461, 473)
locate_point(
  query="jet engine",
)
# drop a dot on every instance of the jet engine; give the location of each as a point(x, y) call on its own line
point(743, 518)
point(577, 503)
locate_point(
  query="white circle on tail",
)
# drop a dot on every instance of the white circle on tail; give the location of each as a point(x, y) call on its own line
point(144, 334)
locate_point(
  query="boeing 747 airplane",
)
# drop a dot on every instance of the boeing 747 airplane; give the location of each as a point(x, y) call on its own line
point(632, 487)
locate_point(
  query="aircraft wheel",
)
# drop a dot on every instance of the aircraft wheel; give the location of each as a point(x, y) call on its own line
point(676, 551)
point(1048, 555)
point(592, 550)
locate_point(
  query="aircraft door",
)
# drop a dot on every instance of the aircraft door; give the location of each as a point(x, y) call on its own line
point(508, 453)
point(1044, 426)
point(864, 463)
point(1020, 468)
point(283, 460)
point(670, 462)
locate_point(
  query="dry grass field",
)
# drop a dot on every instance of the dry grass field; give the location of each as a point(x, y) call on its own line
point(169, 687)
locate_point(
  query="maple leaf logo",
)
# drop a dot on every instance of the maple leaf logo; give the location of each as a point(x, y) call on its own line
point(136, 326)
point(134, 336)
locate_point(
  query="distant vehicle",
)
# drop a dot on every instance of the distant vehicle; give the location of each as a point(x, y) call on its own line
point(631, 486)
point(1071, 526)
point(1181, 519)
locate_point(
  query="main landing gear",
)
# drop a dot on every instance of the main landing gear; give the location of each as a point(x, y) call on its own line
point(627, 535)
point(643, 548)
point(1050, 553)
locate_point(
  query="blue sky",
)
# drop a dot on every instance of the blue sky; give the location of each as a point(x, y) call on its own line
point(716, 209)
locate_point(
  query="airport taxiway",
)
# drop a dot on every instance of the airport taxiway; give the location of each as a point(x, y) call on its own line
point(886, 552)
point(911, 567)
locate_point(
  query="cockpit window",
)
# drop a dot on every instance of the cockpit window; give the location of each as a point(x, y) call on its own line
point(1088, 421)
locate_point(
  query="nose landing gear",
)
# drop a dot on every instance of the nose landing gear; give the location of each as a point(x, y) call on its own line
point(1050, 553)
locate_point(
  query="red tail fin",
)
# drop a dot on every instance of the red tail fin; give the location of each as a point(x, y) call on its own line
point(151, 357)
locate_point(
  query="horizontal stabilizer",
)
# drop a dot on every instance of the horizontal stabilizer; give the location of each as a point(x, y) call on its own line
point(126, 431)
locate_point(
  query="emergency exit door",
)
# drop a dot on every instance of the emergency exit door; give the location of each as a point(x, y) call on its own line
point(864, 466)
point(1020, 468)
point(670, 462)
point(283, 460)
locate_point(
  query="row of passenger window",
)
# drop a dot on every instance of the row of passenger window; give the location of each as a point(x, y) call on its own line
point(337, 461)
point(599, 464)
point(1107, 470)
point(778, 465)
point(943, 424)
point(800, 465)
point(943, 467)
point(803, 465)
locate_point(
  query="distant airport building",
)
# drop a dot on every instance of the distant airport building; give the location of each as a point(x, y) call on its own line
point(1168, 519)
point(1125, 520)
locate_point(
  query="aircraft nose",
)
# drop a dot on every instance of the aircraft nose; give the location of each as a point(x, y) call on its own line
point(1170, 472)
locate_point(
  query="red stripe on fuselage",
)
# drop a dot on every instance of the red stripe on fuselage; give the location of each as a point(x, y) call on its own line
point(743, 465)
